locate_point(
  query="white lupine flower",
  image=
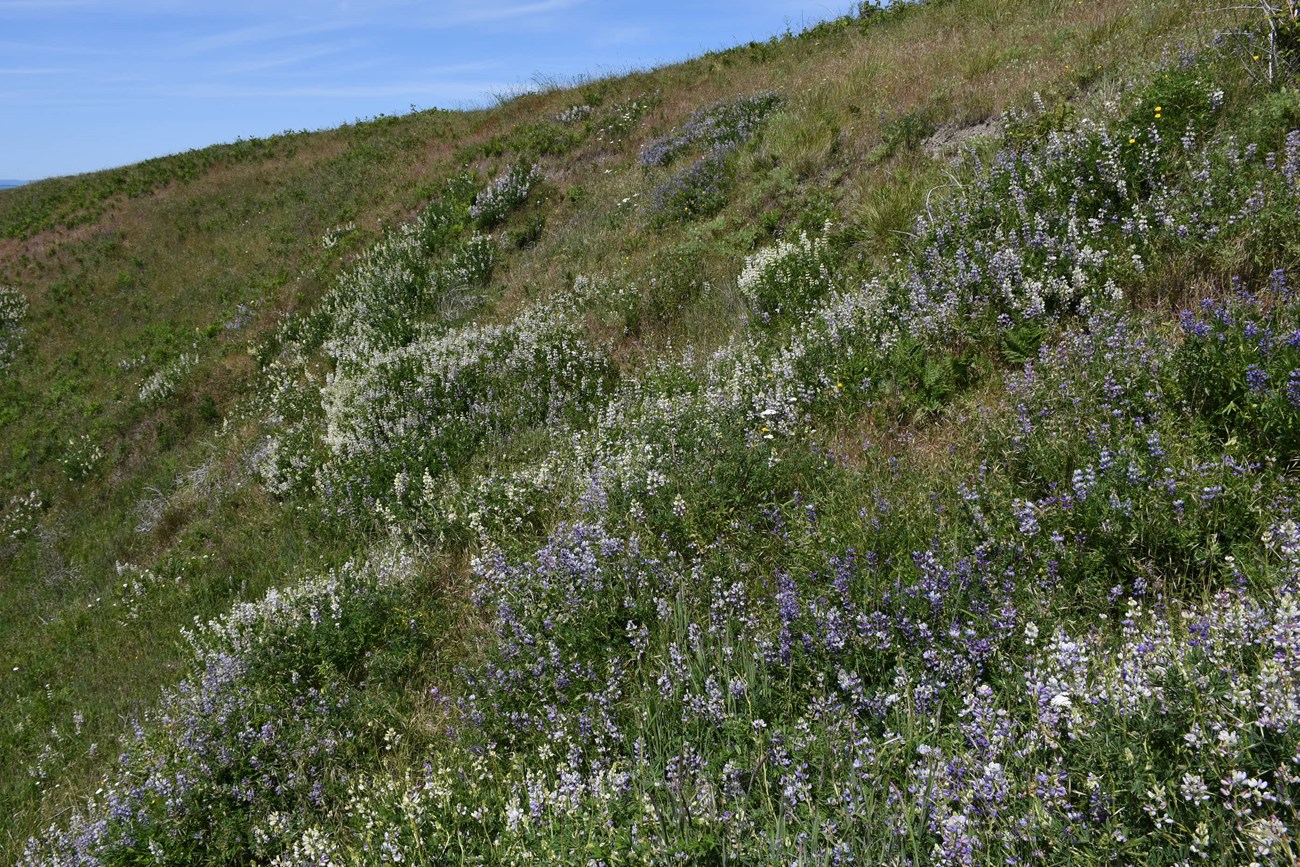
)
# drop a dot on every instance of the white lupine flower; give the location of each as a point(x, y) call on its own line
point(13, 312)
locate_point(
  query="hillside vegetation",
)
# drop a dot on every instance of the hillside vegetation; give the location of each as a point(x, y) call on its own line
point(874, 445)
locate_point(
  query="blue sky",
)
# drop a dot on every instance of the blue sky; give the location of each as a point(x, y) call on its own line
point(89, 84)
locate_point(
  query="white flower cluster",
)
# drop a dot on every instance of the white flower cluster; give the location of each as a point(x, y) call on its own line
point(138, 585)
point(430, 405)
point(13, 310)
point(285, 460)
point(787, 276)
point(19, 517)
point(417, 273)
point(504, 194)
point(334, 234)
point(249, 628)
point(162, 383)
point(80, 457)
point(621, 119)
point(374, 305)
point(469, 268)
point(574, 114)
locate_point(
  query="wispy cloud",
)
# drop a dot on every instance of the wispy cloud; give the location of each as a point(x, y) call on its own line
point(629, 34)
point(42, 5)
point(243, 37)
point(265, 63)
point(441, 90)
point(118, 7)
point(294, 20)
point(493, 12)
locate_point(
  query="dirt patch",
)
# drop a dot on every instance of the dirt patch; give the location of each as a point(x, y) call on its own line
point(948, 139)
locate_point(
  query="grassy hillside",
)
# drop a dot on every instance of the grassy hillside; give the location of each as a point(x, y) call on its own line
point(875, 444)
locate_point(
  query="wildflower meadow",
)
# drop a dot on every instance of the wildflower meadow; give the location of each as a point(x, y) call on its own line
point(983, 551)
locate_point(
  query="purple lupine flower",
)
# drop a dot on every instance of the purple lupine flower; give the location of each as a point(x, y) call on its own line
point(1256, 379)
point(1026, 516)
point(1277, 282)
point(1291, 160)
point(1293, 388)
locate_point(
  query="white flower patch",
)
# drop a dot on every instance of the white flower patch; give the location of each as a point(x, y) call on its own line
point(13, 312)
point(20, 517)
point(785, 276)
point(504, 194)
point(163, 382)
point(333, 235)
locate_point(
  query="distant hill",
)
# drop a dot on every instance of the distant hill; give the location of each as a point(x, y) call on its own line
point(7, 183)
